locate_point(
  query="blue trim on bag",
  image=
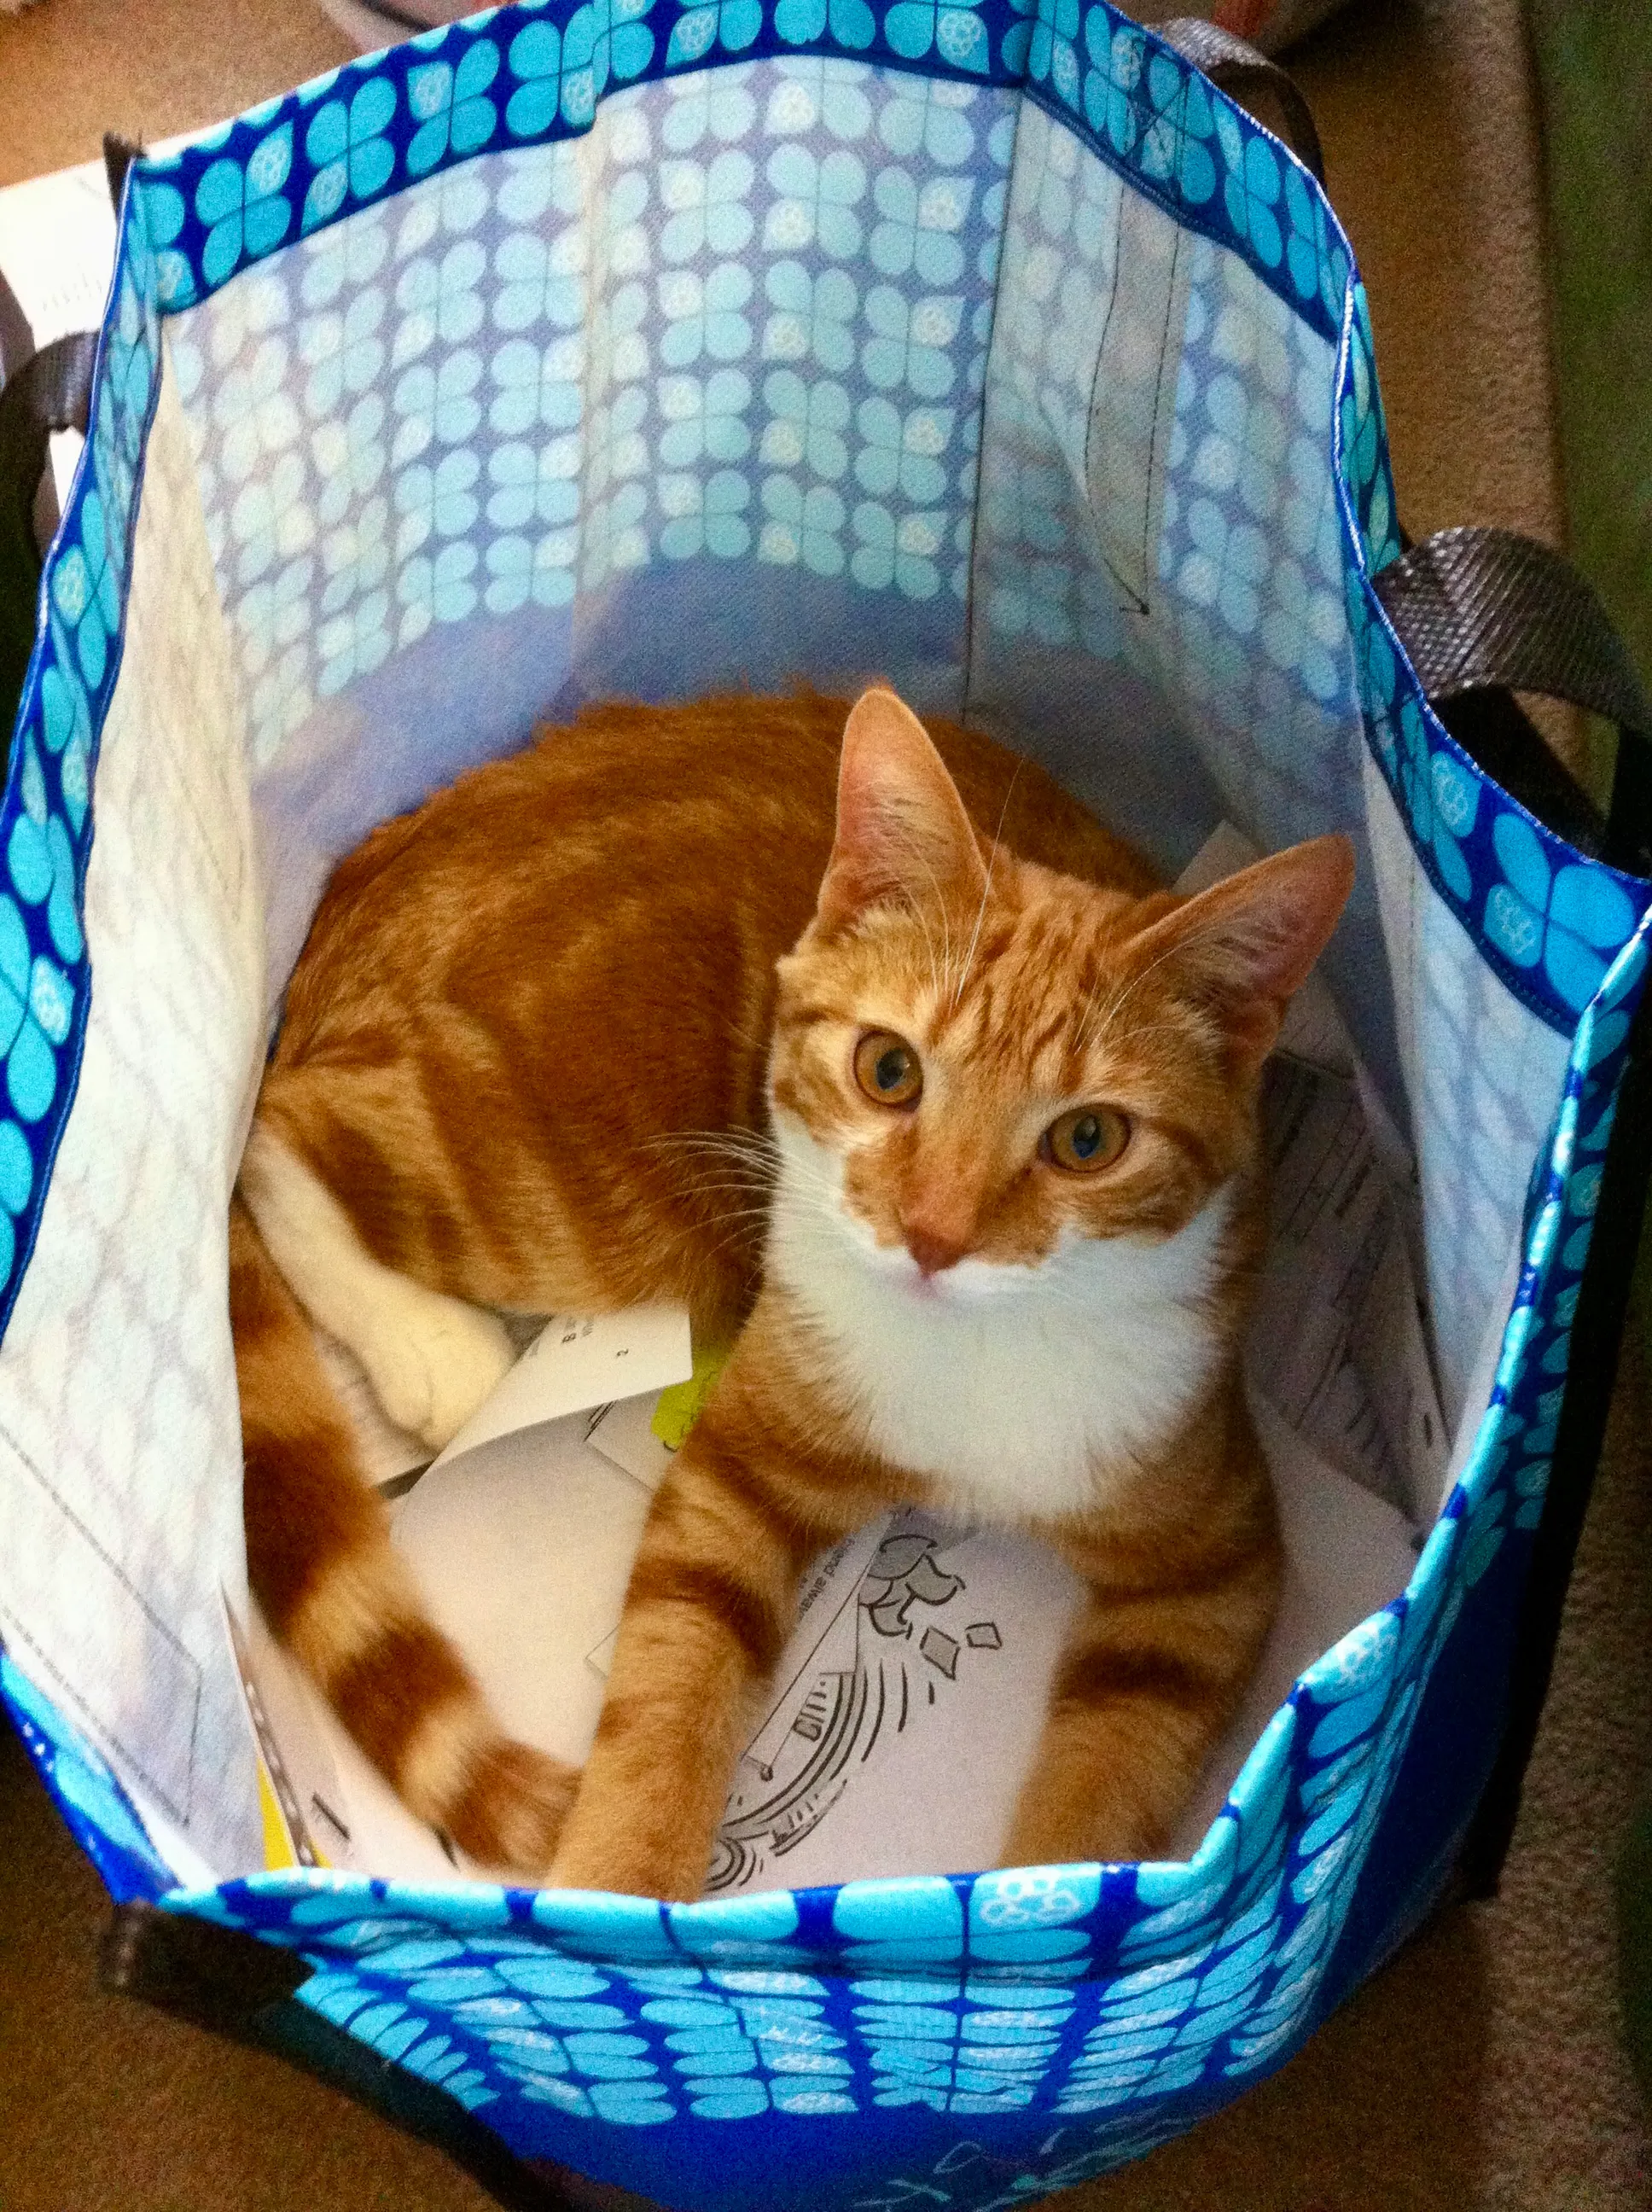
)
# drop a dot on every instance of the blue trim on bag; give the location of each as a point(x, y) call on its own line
point(46, 813)
point(100, 1814)
point(1548, 920)
point(527, 75)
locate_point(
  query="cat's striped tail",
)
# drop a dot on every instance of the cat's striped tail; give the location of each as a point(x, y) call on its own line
point(341, 1600)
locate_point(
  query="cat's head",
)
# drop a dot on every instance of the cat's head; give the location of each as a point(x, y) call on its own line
point(978, 1064)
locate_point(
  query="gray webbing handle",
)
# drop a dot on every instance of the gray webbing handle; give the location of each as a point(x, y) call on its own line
point(1242, 72)
point(49, 392)
point(40, 394)
point(1484, 610)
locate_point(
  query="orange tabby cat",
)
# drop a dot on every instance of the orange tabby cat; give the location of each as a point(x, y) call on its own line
point(931, 1088)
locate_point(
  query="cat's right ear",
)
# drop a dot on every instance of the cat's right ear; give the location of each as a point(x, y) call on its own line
point(902, 834)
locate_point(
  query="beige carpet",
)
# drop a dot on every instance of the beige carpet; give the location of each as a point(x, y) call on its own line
point(1481, 2072)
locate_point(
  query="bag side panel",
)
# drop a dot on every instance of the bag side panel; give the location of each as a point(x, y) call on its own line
point(690, 400)
point(120, 1449)
point(1483, 1074)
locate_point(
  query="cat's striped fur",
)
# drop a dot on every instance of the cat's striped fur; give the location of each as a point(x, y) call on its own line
point(583, 1031)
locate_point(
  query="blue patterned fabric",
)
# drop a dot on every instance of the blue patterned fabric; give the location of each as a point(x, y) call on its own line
point(45, 820)
point(99, 1814)
point(584, 340)
point(525, 75)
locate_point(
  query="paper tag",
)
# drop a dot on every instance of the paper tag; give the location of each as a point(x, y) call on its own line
point(580, 1360)
point(624, 1433)
point(524, 1546)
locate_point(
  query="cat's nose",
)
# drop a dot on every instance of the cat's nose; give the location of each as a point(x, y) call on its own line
point(933, 1250)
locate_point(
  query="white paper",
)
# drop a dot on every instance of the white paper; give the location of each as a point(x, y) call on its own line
point(624, 1433)
point(906, 1709)
point(579, 1360)
point(525, 1546)
point(1337, 1341)
point(522, 1535)
point(897, 1741)
point(284, 1716)
point(58, 249)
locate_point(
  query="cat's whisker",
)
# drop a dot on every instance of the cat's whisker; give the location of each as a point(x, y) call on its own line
point(741, 1149)
point(731, 1156)
point(758, 1178)
point(746, 1138)
point(754, 1186)
point(938, 981)
point(986, 887)
point(729, 1214)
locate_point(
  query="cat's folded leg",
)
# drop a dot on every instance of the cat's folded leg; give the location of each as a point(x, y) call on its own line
point(343, 1601)
point(712, 1600)
point(431, 1359)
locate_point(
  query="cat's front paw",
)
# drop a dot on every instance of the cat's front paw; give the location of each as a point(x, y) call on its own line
point(515, 1804)
point(630, 1861)
point(433, 1360)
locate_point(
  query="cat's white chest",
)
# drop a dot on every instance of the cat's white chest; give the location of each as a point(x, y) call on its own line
point(1020, 1400)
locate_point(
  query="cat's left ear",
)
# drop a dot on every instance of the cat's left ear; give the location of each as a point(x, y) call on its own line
point(902, 834)
point(1246, 945)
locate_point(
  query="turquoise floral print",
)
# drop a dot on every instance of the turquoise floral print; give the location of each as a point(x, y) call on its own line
point(85, 592)
point(807, 425)
point(734, 25)
point(1572, 918)
point(915, 28)
point(1253, 189)
point(802, 526)
point(451, 106)
point(243, 207)
point(1443, 798)
point(354, 158)
point(813, 316)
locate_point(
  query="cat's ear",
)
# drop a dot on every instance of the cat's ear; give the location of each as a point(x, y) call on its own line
point(1245, 945)
point(902, 834)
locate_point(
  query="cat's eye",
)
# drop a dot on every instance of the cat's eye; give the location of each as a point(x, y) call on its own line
point(886, 1068)
point(1089, 1137)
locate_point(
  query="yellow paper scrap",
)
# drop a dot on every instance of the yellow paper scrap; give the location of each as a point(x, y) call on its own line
point(681, 1403)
